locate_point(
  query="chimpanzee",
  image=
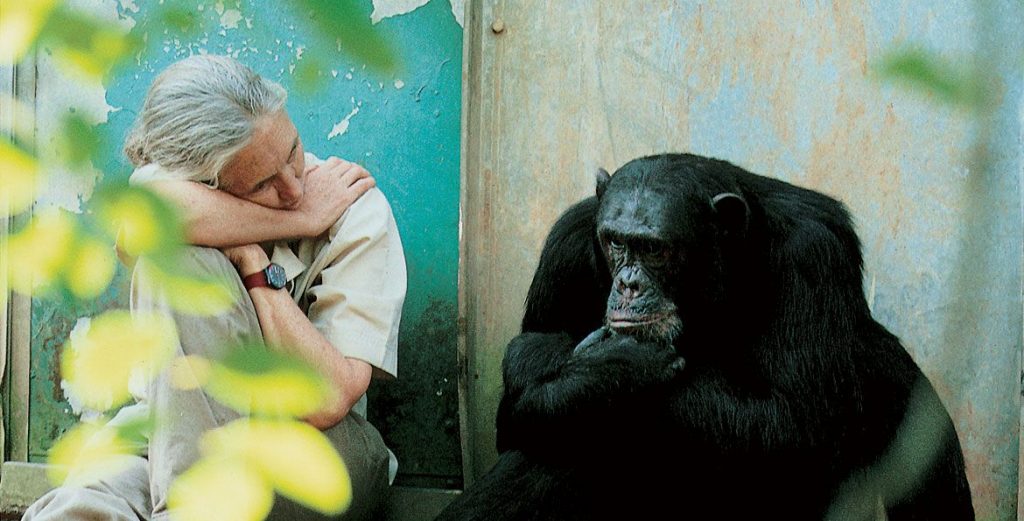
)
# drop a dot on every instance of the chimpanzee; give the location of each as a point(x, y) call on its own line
point(697, 345)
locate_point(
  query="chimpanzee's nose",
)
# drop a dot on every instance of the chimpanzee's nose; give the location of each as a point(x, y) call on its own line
point(628, 282)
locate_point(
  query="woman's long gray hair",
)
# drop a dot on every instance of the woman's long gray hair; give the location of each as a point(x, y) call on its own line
point(198, 114)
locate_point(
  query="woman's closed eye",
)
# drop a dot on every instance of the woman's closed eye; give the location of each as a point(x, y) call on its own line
point(262, 185)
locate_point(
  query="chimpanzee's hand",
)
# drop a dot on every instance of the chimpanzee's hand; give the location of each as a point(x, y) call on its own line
point(601, 334)
point(649, 361)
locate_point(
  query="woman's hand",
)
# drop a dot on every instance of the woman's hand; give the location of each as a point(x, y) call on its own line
point(248, 258)
point(331, 187)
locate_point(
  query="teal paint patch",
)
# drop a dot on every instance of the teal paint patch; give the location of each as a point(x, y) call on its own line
point(406, 132)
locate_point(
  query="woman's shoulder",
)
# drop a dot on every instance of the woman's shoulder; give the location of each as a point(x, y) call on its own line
point(372, 203)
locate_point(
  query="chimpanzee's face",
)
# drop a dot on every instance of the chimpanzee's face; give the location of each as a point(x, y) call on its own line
point(643, 256)
point(663, 228)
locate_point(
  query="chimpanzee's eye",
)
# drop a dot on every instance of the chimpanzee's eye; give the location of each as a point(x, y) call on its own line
point(615, 245)
point(654, 253)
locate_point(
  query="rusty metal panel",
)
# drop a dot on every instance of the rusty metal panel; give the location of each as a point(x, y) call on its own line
point(785, 89)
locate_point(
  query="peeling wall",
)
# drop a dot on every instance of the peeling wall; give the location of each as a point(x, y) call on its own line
point(387, 8)
point(403, 127)
point(785, 89)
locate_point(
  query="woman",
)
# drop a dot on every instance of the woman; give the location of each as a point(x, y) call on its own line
point(211, 122)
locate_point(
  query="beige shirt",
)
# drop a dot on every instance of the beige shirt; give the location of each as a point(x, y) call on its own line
point(351, 282)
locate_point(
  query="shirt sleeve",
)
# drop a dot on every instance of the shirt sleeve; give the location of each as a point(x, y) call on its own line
point(357, 302)
point(152, 172)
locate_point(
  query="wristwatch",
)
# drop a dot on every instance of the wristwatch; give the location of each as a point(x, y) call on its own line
point(272, 277)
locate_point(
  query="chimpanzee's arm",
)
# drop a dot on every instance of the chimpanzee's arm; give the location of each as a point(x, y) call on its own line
point(556, 399)
point(571, 284)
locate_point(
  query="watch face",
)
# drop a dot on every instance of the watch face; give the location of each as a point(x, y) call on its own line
point(275, 276)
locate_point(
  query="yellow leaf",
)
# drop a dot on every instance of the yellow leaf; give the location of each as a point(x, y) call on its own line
point(189, 372)
point(297, 459)
point(19, 174)
point(132, 218)
point(257, 380)
point(191, 295)
point(197, 296)
point(86, 453)
point(20, 23)
point(98, 364)
point(220, 489)
point(37, 254)
point(91, 270)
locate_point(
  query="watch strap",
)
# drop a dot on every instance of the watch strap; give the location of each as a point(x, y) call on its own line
point(273, 276)
point(256, 280)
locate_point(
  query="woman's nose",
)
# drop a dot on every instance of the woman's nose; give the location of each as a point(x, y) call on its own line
point(291, 189)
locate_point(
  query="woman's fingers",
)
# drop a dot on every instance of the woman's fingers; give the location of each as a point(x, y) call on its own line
point(361, 185)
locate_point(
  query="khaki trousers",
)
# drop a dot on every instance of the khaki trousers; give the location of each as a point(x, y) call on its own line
point(140, 492)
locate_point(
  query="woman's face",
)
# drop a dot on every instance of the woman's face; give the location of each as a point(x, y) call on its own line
point(270, 170)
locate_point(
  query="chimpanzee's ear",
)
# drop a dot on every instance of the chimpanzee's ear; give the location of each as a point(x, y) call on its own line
point(733, 213)
point(602, 181)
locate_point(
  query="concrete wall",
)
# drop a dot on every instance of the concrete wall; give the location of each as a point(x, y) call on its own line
point(785, 89)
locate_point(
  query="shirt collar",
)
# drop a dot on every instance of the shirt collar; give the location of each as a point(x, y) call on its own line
point(286, 258)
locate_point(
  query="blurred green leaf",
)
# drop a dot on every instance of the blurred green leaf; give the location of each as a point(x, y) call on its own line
point(310, 73)
point(57, 254)
point(79, 140)
point(348, 23)
point(189, 372)
point(92, 268)
point(141, 222)
point(254, 379)
point(39, 253)
point(98, 364)
point(183, 19)
point(19, 175)
point(293, 457)
point(224, 489)
point(89, 452)
point(86, 43)
point(927, 72)
point(144, 224)
point(135, 429)
point(188, 293)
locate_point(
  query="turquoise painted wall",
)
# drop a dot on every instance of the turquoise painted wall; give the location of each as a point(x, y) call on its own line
point(402, 126)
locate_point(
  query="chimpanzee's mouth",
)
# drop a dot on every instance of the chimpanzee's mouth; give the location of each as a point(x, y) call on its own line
point(624, 321)
point(663, 325)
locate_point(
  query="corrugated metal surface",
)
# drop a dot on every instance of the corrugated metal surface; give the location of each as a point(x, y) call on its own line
point(403, 127)
point(556, 89)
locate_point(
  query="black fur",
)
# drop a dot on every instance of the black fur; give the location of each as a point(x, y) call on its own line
point(789, 402)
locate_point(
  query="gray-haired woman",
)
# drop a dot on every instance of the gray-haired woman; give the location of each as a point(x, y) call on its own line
point(210, 122)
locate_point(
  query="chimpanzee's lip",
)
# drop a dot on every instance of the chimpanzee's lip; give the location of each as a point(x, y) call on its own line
point(623, 320)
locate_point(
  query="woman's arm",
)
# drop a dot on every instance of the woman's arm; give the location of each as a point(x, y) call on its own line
point(211, 217)
point(286, 326)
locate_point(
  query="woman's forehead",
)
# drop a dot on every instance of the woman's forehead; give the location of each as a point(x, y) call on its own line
point(267, 150)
